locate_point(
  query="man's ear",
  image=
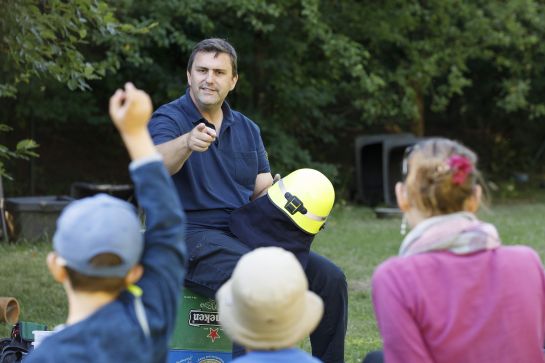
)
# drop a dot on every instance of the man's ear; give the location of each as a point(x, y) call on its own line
point(134, 274)
point(188, 78)
point(473, 203)
point(234, 82)
point(401, 197)
point(56, 269)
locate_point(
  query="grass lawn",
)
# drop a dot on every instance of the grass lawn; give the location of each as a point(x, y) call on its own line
point(354, 239)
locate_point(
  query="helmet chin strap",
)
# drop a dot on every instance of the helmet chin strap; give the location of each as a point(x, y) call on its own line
point(295, 204)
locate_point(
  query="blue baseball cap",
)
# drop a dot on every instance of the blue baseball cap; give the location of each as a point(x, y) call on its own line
point(95, 225)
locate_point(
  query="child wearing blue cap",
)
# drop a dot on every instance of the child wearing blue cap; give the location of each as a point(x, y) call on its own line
point(122, 288)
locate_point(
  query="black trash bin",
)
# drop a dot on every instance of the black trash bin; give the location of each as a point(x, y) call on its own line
point(33, 218)
point(125, 192)
point(378, 166)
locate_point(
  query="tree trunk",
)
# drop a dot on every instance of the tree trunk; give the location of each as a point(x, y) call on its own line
point(419, 121)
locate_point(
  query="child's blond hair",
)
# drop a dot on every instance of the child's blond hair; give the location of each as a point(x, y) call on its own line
point(441, 176)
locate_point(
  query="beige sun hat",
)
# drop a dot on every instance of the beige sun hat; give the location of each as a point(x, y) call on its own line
point(266, 304)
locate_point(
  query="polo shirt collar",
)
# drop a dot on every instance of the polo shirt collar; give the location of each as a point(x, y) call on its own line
point(195, 116)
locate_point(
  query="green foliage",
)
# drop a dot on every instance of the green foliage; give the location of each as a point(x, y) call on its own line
point(49, 39)
point(314, 74)
point(71, 43)
point(25, 149)
point(428, 48)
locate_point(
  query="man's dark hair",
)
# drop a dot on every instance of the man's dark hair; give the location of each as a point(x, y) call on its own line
point(81, 282)
point(214, 45)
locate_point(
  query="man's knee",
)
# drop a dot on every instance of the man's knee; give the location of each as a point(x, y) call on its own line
point(322, 273)
point(213, 256)
point(336, 277)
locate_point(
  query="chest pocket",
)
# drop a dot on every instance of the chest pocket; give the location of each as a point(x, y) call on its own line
point(245, 167)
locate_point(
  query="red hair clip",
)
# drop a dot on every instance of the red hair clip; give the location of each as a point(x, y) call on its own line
point(461, 167)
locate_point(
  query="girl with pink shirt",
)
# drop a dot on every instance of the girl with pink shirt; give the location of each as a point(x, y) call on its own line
point(455, 294)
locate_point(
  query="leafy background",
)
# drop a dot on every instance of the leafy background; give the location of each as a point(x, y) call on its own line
point(313, 74)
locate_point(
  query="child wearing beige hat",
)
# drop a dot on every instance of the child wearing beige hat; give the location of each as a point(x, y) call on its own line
point(267, 308)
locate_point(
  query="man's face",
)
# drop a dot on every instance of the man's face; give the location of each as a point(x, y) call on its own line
point(210, 80)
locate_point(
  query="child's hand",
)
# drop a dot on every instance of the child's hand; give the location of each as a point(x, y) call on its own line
point(130, 110)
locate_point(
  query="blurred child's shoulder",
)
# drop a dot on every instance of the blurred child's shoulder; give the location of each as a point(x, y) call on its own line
point(284, 355)
point(520, 252)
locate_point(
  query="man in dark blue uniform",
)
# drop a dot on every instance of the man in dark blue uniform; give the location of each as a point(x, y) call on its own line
point(218, 163)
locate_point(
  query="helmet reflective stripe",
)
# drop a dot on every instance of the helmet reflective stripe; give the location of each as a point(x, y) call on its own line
point(295, 205)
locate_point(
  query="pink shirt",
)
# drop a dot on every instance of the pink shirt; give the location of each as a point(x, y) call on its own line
point(487, 306)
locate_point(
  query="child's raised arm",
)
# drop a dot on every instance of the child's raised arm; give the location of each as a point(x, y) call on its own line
point(130, 111)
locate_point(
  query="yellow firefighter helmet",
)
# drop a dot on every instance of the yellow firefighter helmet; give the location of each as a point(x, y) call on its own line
point(306, 196)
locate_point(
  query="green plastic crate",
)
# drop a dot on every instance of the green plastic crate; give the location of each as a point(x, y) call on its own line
point(197, 325)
